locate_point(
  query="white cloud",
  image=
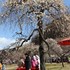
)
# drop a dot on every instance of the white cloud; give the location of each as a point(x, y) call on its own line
point(27, 42)
point(4, 42)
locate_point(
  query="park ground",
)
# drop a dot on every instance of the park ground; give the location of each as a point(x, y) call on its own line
point(49, 66)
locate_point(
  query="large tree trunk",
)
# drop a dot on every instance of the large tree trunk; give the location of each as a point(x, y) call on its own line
point(41, 48)
point(42, 62)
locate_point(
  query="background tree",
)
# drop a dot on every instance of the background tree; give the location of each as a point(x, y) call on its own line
point(36, 12)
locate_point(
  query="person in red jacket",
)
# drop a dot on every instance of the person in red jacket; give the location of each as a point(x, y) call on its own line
point(20, 66)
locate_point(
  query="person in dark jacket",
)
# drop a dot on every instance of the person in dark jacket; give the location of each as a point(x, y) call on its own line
point(28, 61)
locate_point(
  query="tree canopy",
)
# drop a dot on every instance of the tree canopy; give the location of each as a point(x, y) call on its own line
point(50, 17)
point(22, 12)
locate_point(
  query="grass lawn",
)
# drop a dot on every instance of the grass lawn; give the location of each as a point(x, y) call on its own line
point(49, 66)
point(58, 66)
point(11, 67)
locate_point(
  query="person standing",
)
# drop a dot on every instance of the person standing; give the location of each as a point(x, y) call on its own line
point(28, 61)
point(0, 66)
point(37, 58)
point(3, 67)
point(38, 61)
point(20, 66)
point(33, 62)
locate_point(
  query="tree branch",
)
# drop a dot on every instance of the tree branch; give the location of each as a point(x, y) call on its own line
point(52, 50)
point(48, 45)
point(25, 40)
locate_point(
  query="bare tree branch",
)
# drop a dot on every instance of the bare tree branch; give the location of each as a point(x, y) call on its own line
point(25, 40)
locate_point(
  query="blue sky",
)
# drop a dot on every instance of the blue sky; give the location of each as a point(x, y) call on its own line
point(7, 34)
point(67, 2)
